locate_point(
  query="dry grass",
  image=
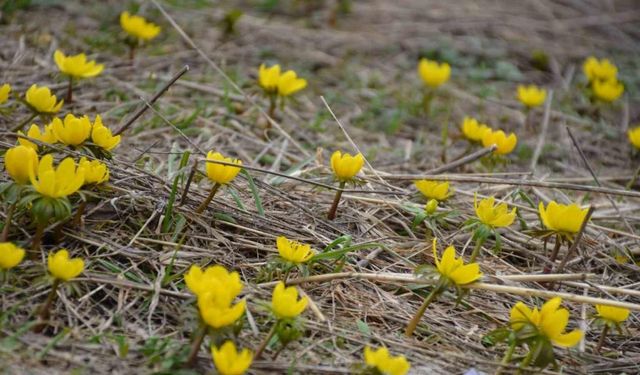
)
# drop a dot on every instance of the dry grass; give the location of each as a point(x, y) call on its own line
point(132, 293)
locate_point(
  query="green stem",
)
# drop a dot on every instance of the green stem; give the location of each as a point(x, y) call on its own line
point(476, 249)
point(25, 122)
point(533, 353)
point(206, 202)
point(196, 343)
point(336, 200)
point(507, 357)
point(45, 309)
point(7, 222)
point(554, 254)
point(603, 335)
point(411, 327)
point(426, 101)
point(266, 340)
point(633, 179)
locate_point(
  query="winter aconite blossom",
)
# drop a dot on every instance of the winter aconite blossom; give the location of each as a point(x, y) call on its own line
point(382, 361)
point(72, 131)
point(42, 101)
point(612, 314)
point(200, 282)
point(473, 130)
point(10, 255)
point(21, 162)
point(220, 173)
point(138, 27)
point(46, 136)
point(95, 171)
point(607, 91)
point(62, 267)
point(273, 82)
point(599, 70)
point(548, 323)
point(293, 251)
point(5, 90)
point(58, 182)
point(505, 144)
point(531, 96)
point(77, 66)
point(102, 136)
point(345, 166)
point(565, 220)
point(217, 308)
point(285, 303)
point(492, 215)
point(229, 361)
point(634, 136)
point(433, 74)
point(453, 269)
point(438, 190)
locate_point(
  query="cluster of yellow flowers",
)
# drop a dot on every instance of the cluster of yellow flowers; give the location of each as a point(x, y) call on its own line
point(603, 79)
point(476, 131)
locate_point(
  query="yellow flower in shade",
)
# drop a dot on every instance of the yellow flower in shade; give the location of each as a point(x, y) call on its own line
point(77, 66)
point(73, 131)
point(219, 173)
point(561, 218)
point(549, 322)
point(138, 27)
point(454, 268)
point(57, 183)
point(505, 143)
point(384, 362)
point(285, 303)
point(289, 83)
point(346, 167)
point(229, 361)
point(615, 315)
point(10, 255)
point(95, 171)
point(200, 282)
point(34, 132)
point(602, 70)
point(433, 74)
point(5, 90)
point(438, 190)
point(634, 136)
point(41, 100)
point(473, 130)
point(495, 216)
point(293, 251)
point(216, 307)
point(63, 268)
point(607, 91)
point(102, 136)
point(531, 96)
point(20, 162)
point(268, 78)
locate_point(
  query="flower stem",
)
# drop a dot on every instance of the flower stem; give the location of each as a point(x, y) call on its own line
point(416, 318)
point(336, 200)
point(554, 254)
point(426, 101)
point(196, 343)
point(266, 340)
point(476, 249)
point(507, 357)
point(25, 122)
point(206, 202)
point(272, 109)
point(69, 97)
point(37, 238)
point(7, 222)
point(603, 335)
point(45, 309)
point(77, 218)
point(633, 179)
point(533, 353)
point(132, 53)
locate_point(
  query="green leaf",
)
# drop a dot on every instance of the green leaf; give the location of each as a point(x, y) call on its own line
point(363, 327)
point(254, 192)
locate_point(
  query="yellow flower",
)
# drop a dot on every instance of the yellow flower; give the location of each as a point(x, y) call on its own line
point(454, 268)
point(20, 162)
point(607, 91)
point(387, 364)
point(550, 322)
point(216, 308)
point(229, 361)
point(531, 96)
point(268, 77)
point(473, 130)
point(63, 268)
point(219, 173)
point(495, 216)
point(57, 183)
point(634, 136)
point(41, 100)
point(34, 132)
point(138, 27)
point(602, 69)
point(613, 314)
point(77, 66)
point(289, 83)
point(346, 167)
point(73, 131)
point(561, 218)
point(293, 251)
point(438, 190)
point(10, 255)
point(283, 84)
point(95, 171)
point(200, 282)
point(102, 136)
point(433, 74)
point(5, 90)
point(505, 143)
point(285, 303)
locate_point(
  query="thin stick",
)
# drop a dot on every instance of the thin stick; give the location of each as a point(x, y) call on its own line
point(543, 132)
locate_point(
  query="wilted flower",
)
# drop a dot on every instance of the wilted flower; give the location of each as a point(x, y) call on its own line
point(46, 136)
point(438, 190)
point(77, 66)
point(634, 136)
point(219, 173)
point(285, 303)
point(41, 100)
point(102, 136)
point(433, 74)
point(293, 251)
point(607, 91)
point(492, 215)
point(64, 268)
point(10, 255)
point(599, 70)
point(548, 323)
point(562, 219)
point(346, 167)
point(505, 144)
point(95, 171)
point(73, 131)
point(5, 90)
point(473, 130)
point(384, 362)
point(20, 162)
point(229, 361)
point(531, 96)
point(138, 27)
point(56, 183)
